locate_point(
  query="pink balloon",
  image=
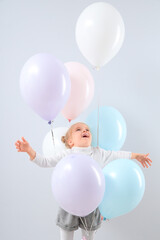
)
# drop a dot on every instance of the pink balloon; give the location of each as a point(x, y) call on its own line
point(82, 90)
point(78, 184)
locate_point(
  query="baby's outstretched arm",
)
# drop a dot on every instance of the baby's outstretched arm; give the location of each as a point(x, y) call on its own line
point(113, 155)
point(142, 158)
point(24, 146)
point(42, 161)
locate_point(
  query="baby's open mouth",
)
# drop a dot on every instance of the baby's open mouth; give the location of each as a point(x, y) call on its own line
point(85, 135)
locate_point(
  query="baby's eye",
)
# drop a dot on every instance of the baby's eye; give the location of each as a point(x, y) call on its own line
point(87, 130)
point(78, 129)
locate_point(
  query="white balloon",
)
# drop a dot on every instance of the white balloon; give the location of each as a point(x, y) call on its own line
point(51, 147)
point(99, 33)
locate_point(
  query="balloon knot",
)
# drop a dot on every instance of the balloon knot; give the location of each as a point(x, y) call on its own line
point(69, 120)
point(51, 122)
point(103, 218)
point(96, 68)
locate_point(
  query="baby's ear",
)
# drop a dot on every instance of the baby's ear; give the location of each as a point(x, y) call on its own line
point(70, 142)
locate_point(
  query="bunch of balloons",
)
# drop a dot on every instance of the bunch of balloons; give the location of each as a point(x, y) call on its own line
point(80, 186)
point(50, 87)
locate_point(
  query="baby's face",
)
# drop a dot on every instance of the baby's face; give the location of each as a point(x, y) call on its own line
point(80, 136)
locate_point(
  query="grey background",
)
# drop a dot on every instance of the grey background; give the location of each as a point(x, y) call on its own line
point(130, 83)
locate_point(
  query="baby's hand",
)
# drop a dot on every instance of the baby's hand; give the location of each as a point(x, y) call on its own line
point(143, 159)
point(22, 146)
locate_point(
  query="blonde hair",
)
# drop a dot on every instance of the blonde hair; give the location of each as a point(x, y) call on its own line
point(65, 138)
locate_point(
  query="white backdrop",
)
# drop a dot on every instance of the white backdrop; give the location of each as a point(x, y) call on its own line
point(130, 83)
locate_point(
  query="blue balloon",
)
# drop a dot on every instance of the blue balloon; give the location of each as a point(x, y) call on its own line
point(125, 185)
point(112, 128)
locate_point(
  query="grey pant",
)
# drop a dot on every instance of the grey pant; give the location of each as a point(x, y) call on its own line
point(70, 222)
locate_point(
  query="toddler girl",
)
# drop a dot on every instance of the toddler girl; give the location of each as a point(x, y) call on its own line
point(78, 140)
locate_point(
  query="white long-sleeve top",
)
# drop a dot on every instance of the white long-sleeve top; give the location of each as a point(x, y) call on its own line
point(100, 155)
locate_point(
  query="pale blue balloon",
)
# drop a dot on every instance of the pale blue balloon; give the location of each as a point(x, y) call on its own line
point(124, 188)
point(112, 128)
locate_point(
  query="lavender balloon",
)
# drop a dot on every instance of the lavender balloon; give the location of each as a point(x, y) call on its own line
point(45, 85)
point(78, 184)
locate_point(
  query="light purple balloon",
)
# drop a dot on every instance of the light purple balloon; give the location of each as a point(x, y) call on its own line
point(78, 184)
point(45, 85)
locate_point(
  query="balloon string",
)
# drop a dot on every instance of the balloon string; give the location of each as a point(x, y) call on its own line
point(98, 117)
point(85, 225)
point(98, 126)
point(51, 123)
point(97, 68)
